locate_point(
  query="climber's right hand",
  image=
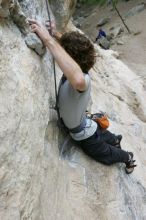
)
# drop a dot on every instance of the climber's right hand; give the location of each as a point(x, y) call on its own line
point(51, 26)
point(40, 30)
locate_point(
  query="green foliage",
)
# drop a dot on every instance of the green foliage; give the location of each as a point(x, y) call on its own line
point(100, 2)
point(89, 1)
point(114, 2)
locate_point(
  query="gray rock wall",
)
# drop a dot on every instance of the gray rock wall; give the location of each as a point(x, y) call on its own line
point(24, 97)
point(43, 178)
point(26, 86)
point(63, 10)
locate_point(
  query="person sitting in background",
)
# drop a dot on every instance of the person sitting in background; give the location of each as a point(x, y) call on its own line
point(102, 40)
point(101, 34)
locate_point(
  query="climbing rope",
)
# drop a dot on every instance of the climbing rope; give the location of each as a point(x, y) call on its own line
point(53, 60)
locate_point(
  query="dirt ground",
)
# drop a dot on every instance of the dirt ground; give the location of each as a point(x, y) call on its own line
point(133, 51)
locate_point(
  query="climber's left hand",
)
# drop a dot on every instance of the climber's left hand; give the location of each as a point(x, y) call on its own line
point(40, 30)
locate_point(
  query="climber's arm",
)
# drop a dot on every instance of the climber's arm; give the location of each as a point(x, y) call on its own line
point(68, 66)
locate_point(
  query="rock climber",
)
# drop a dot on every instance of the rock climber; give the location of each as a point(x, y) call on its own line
point(75, 55)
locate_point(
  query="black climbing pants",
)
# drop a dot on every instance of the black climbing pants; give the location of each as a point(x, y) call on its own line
point(100, 146)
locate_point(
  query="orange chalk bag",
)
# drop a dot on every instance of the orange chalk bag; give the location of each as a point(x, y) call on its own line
point(100, 118)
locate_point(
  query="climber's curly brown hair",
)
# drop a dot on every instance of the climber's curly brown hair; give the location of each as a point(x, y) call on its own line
point(80, 48)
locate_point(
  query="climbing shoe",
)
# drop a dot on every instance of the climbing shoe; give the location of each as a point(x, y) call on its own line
point(118, 141)
point(130, 164)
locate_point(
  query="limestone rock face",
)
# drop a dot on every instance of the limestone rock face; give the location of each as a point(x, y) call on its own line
point(138, 8)
point(4, 8)
point(63, 10)
point(35, 43)
point(43, 178)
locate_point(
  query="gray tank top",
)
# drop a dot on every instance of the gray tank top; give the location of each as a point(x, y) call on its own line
point(72, 107)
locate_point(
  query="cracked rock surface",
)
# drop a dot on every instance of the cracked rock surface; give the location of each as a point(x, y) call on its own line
point(42, 176)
